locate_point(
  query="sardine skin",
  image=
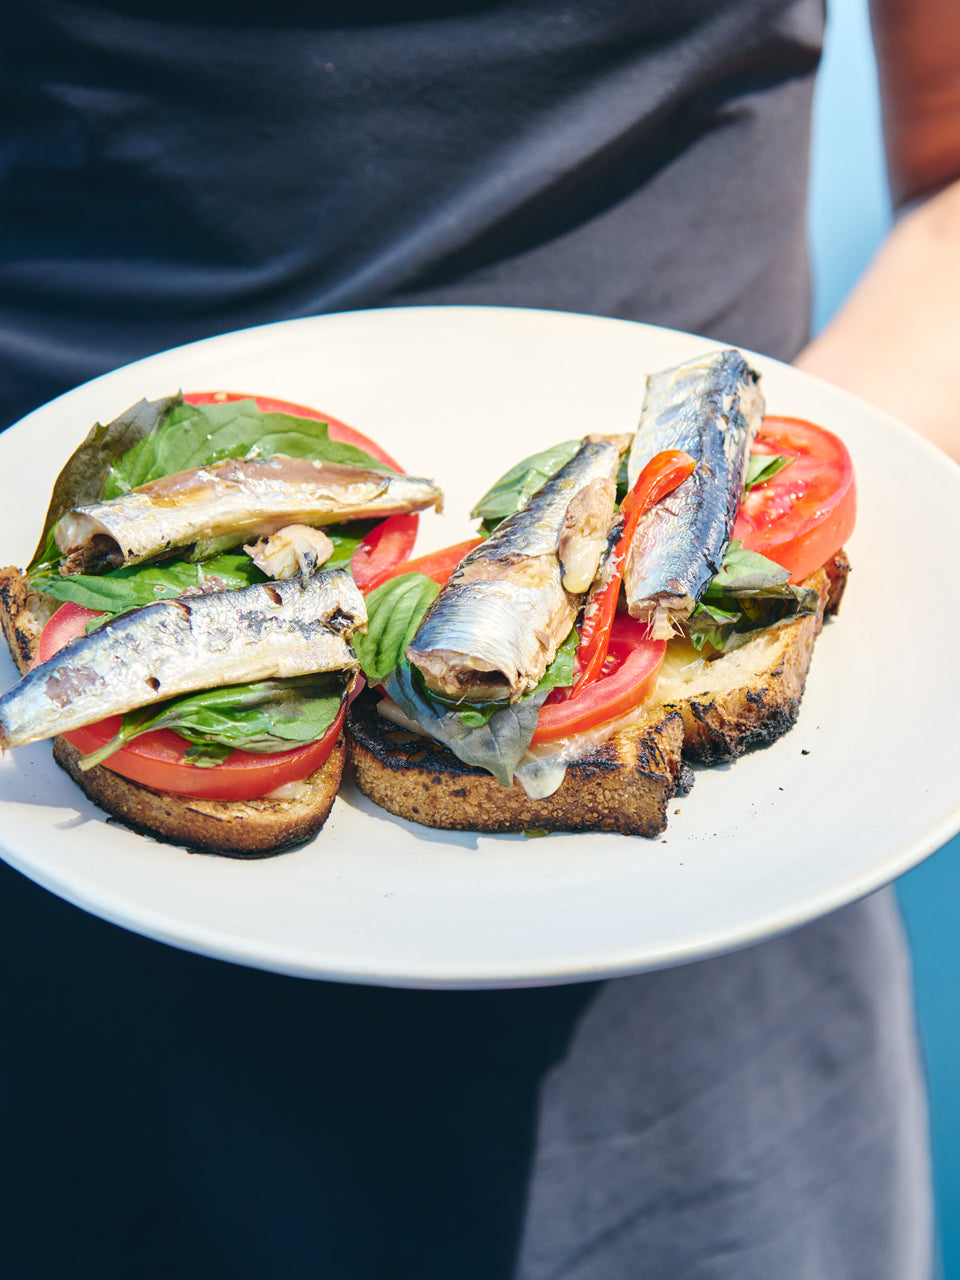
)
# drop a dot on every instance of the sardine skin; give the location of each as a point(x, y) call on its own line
point(246, 497)
point(274, 629)
point(495, 627)
point(710, 407)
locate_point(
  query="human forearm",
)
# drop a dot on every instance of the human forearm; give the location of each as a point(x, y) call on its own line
point(896, 340)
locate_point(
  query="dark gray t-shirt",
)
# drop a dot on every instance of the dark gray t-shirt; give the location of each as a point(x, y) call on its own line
point(172, 170)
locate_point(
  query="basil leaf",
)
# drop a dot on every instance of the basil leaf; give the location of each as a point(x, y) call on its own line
point(156, 438)
point(762, 467)
point(82, 479)
point(745, 571)
point(136, 585)
point(751, 594)
point(195, 435)
point(623, 477)
point(267, 716)
point(207, 755)
point(515, 489)
point(394, 612)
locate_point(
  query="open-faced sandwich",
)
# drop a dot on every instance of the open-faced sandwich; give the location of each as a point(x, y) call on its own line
point(635, 602)
point(184, 628)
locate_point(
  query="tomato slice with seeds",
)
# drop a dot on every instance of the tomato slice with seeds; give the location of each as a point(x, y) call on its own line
point(156, 759)
point(806, 512)
point(386, 545)
point(437, 565)
point(630, 671)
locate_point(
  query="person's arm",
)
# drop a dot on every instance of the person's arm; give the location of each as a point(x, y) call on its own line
point(896, 340)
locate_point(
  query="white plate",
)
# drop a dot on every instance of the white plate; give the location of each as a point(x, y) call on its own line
point(865, 786)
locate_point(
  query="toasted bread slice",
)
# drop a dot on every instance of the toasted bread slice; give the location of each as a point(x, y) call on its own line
point(235, 828)
point(623, 786)
point(711, 712)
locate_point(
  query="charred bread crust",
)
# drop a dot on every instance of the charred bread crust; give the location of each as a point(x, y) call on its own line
point(235, 828)
point(757, 706)
point(837, 570)
point(624, 786)
point(751, 696)
point(742, 700)
point(23, 615)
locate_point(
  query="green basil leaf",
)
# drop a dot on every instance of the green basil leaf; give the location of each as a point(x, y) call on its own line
point(266, 716)
point(711, 625)
point(746, 571)
point(83, 477)
point(623, 477)
point(515, 489)
point(195, 435)
point(136, 585)
point(394, 612)
point(346, 538)
point(762, 467)
point(751, 594)
point(207, 755)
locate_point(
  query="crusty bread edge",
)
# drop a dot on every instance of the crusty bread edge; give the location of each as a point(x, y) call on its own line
point(236, 829)
point(724, 715)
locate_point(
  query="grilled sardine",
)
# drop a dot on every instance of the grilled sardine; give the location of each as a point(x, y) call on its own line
point(275, 629)
point(495, 627)
point(711, 408)
point(241, 499)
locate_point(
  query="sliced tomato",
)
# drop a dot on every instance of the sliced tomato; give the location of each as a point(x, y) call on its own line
point(437, 565)
point(385, 545)
point(806, 512)
point(629, 674)
point(68, 623)
point(157, 759)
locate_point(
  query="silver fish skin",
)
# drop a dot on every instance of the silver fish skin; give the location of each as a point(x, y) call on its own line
point(274, 629)
point(711, 408)
point(495, 627)
point(240, 498)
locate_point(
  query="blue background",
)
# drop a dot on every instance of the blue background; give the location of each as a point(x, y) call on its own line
point(849, 214)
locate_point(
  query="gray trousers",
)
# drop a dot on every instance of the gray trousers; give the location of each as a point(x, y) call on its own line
point(760, 1115)
point(755, 1116)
